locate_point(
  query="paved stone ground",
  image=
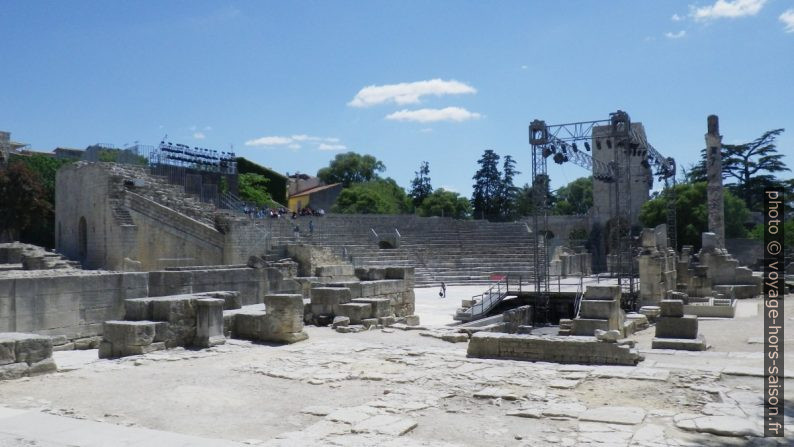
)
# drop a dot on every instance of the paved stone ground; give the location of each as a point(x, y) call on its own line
point(396, 388)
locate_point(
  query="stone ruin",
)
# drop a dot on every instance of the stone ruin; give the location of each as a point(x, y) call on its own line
point(576, 261)
point(674, 330)
point(25, 355)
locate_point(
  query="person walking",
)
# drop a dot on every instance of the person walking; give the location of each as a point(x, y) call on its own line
point(311, 227)
point(296, 231)
point(443, 292)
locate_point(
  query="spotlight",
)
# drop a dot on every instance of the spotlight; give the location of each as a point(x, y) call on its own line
point(558, 158)
point(547, 152)
point(564, 147)
point(587, 146)
point(609, 144)
point(645, 164)
point(598, 144)
point(574, 147)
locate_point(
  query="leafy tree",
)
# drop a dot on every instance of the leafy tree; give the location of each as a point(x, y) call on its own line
point(253, 189)
point(575, 197)
point(446, 204)
point(380, 196)
point(487, 187)
point(528, 196)
point(788, 230)
point(41, 230)
point(420, 185)
point(23, 201)
point(508, 192)
point(693, 213)
point(350, 167)
point(752, 165)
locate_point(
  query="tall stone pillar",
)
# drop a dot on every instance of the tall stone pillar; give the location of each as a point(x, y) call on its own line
point(714, 176)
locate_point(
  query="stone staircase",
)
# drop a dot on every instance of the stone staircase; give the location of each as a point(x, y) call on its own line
point(157, 189)
point(441, 249)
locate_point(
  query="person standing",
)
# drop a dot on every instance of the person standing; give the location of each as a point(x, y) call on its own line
point(443, 292)
point(311, 227)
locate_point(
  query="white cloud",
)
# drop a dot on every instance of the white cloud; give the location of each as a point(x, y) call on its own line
point(449, 188)
point(456, 114)
point(676, 35)
point(199, 135)
point(722, 9)
point(676, 18)
point(788, 20)
point(331, 147)
point(524, 67)
point(295, 142)
point(269, 141)
point(408, 92)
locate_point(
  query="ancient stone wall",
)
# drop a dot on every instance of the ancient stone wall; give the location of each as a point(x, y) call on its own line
point(70, 303)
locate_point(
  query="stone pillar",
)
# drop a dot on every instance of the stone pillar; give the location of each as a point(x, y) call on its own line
point(209, 322)
point(714, 176)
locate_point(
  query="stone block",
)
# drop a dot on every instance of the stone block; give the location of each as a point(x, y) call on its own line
point(64, 347)
point(397, 272)
point(599, 309)
point(13, 371)
point(369, 322)
point(682, 344)
point(684, 327)
point(334, 270)
point(588, 326)
point(138, 309)
point(608, 336)
point(340, 321)
point(249, 325)
point(672, 308)
point(602, 293)
point(387, 321)
point(42, 367)
point(361, 273)
point(412, 320)
point(376, 273)
point(708, 242)
point(128, 333)
point(32, 348)
point(231, 298)
point(330, 295)
point(381, 307)
point(174, 308)
point(284, 313)
point(209, 322)
point(7, 351)
point(355, 311)
point(651, 312)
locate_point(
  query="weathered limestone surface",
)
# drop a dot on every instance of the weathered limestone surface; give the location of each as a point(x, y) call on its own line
point(715, 200)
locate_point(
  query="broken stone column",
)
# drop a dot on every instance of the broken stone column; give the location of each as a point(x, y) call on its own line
point(209, 322)
point(284, 318)
point(674, 330)
point(714, 177)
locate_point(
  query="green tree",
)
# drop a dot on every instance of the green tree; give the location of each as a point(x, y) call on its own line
point(487, 187)
point(380, 196)
point(350, 167)
point(446, 204)
point(751, 165)
point(529, 197)
point(253, 189)
point(693, 213)
point(420, 185)
point(788, 230)
point(41, 230)
point(23, 201)
point(575, 197)
point(508, 192)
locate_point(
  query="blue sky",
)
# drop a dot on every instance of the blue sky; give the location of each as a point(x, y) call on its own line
point(285, 82)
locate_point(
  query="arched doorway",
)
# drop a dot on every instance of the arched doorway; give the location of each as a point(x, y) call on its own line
point(82, 238)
